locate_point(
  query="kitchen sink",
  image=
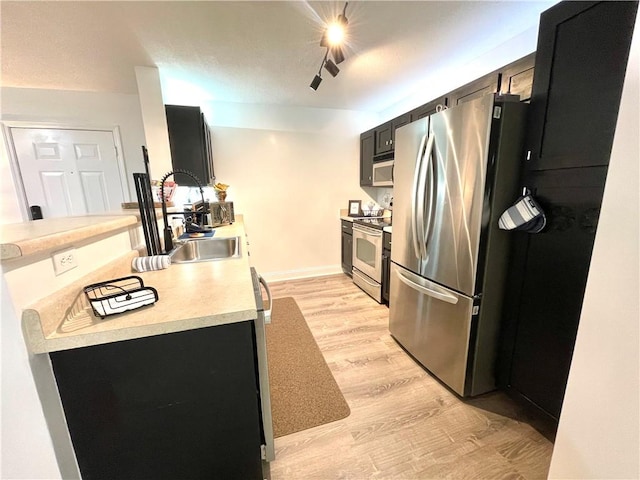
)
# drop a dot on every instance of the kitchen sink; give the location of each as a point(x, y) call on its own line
point(206, 249)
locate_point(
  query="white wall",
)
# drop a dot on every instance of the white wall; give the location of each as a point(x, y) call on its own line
point(154, 121)
point(291, 170)
point(27, 450)
point(62, 107)
point(598, 434)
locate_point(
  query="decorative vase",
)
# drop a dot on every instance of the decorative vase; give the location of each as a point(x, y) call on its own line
point(221, 195)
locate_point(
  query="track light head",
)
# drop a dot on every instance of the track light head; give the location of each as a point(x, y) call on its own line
point(315, 83)
point(331, 67)
point(338, 56)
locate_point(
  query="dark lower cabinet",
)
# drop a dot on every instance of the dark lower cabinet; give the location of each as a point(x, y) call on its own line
point(181, 405)
point(386, 266)
point(570, 144)
point(347, 247)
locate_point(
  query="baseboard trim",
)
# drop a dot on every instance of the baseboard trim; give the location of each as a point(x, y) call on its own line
point(302, 273)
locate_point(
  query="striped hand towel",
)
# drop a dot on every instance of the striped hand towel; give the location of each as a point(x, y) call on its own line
point(526, 215)
point(154, 262)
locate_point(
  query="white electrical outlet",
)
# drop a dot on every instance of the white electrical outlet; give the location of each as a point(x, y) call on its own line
point(64, 261)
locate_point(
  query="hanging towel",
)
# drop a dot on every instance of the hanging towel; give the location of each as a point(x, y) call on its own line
point(525, 215)
point(154, 262)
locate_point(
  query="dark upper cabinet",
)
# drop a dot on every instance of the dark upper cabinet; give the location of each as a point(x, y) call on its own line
point(190, 142)
point(489, 83)
point(386, 133)
point(581, 60)
point(517, 77)
point(367, 151)
point(384, 138)
point(428, 108)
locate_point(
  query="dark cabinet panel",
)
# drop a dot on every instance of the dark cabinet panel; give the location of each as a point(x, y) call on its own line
point(517, 77)
point(581, 61)
point(487, 84)
point(428, 108)
point(347, 247)
point(573, 117)
point(190, 143)
point(555, 265)
point(386, 266)
point(367, 150)
point(384, 137)
point(386, 133)
point(181, 405)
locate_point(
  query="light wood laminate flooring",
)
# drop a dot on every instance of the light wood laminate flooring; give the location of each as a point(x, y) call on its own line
point(404, 424)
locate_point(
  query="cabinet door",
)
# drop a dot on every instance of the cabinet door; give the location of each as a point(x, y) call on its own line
point(188, 143)
point(549, 292)
point(487, 84)
point(397, 123)
point(367, 147)
point(180, 405)
point(384, 137)
point(428, 108)
point(386, 276)
point(581, 60)
point(517, 77)
point(347, 253)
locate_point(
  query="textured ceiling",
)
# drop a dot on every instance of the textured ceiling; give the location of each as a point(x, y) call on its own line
point(251, 52)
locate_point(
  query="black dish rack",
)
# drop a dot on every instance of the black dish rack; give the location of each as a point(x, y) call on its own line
point(119, 295)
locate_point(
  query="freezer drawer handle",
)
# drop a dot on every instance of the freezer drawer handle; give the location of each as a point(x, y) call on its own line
point(445, 297)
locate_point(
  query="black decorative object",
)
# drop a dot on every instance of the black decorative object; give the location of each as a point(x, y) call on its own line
point(119, 295)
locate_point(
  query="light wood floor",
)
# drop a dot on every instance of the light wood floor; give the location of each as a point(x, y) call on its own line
point(404, 424)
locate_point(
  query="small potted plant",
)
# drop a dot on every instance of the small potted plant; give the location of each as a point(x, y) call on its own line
point(221, 191)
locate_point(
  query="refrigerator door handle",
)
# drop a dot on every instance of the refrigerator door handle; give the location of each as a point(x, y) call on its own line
point(420, 200)
point(430, 171)
point(440, 295)
point(414, 198)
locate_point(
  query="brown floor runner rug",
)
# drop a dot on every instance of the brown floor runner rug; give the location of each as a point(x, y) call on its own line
point(304, 393)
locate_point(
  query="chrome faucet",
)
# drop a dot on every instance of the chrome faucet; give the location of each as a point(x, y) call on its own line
point(168, 231)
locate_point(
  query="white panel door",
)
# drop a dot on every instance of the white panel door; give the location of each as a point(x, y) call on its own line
point(68, 172)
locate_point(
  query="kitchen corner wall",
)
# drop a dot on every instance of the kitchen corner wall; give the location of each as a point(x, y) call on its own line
point(291, 170)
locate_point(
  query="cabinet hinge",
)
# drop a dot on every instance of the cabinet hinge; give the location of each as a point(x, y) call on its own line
point(528, 155)
point(263, 452)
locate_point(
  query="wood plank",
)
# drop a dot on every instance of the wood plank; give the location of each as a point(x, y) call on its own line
point(404, 423)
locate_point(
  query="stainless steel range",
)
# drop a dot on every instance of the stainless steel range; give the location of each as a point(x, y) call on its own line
point(367, 254)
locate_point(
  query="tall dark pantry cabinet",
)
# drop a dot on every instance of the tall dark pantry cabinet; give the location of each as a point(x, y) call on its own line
point(580, 65)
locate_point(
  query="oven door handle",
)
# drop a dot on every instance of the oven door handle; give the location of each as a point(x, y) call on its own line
point(368, 231)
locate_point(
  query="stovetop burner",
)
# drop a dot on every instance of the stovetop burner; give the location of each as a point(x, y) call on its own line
point(374, 222)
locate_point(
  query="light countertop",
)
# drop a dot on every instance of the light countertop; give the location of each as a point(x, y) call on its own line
point(27, 238)
point(194, 295)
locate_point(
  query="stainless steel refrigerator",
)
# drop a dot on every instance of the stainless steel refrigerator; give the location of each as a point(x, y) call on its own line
point(455, 173)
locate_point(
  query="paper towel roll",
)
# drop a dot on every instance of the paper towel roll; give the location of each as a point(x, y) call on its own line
point(154, 262)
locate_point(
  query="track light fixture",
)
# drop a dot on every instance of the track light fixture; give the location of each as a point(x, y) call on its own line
point(332, 39)
point(315, 83)
point(331, 67)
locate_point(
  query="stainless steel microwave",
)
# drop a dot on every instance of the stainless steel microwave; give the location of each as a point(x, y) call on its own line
point(383, 174)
